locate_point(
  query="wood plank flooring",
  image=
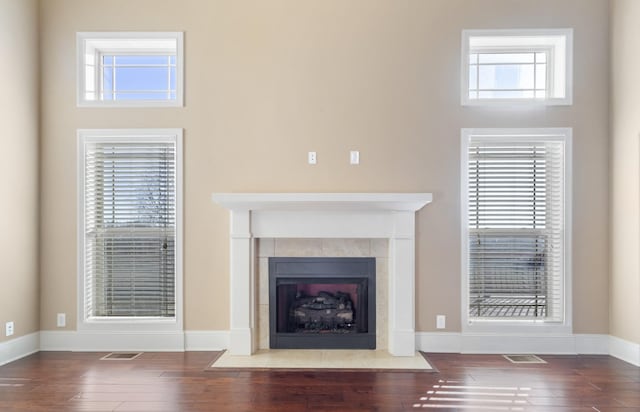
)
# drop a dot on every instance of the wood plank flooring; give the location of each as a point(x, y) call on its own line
point(65, 381)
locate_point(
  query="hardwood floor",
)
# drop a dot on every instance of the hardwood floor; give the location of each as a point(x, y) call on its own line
point(65, 381)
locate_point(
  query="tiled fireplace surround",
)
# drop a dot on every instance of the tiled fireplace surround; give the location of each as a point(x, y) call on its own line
point(298, 247)
point(380, 225)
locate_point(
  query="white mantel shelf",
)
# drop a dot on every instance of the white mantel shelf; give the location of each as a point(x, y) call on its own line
point(323, 215)
point(323, 201)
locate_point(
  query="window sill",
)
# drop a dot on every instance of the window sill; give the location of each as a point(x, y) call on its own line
point(519, 103)
point(129, 104)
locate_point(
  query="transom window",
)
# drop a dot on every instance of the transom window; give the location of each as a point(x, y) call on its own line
point(508, 75)
point(138, 77)
point(516, 65)
point(130, 69)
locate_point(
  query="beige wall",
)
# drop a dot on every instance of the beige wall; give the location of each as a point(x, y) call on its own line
point(625, 170)
point(19, 300)
point(267, 81)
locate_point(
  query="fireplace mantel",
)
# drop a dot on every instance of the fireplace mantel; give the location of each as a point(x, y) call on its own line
point(323, 215)
point(323, 201)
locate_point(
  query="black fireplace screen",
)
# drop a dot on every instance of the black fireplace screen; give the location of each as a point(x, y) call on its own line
point(324, 311)
point(322, 302)
point(319, 307)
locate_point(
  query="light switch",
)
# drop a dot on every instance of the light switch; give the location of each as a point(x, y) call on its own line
point(354, 157)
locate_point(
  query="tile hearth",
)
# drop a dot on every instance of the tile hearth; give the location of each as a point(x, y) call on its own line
point(322, 359)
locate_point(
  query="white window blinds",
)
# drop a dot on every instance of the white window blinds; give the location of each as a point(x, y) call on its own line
point(515, 228)
point(130, 228)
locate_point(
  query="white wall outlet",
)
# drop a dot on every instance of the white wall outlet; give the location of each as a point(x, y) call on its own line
point(61, 320)
point(354, 157)
point(8, 328)
point(441, 321)
point(312, 158)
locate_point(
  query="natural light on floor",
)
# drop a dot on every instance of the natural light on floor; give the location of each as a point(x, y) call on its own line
point(451, 394)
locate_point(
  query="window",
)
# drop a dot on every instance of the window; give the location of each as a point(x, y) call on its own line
point(130, 239)
point(130, 69)
point(516, 249)
point(516, 66)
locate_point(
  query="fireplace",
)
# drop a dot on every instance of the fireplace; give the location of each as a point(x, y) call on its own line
point(323, 215)
point(322, 303)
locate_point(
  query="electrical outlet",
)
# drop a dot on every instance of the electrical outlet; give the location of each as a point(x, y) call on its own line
point(441, 321)
point(61, 320)
point(312, 158)
point(8, 328)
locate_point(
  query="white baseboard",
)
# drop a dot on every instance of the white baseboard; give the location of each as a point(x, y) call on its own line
point(134, 341)
point(56, 340)
point(512, 343)
point(451, 342)
point(108, 341)
point(440, 342)
point(203, 340)
point(20, 347)
point(625, 350)
point(592, 344)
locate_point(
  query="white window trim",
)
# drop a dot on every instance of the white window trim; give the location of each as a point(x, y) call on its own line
point(130, 324)
point(567, 100)
point(506, 325)
point(118, 37)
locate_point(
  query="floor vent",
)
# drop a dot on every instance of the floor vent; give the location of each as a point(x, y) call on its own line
point(523, 359)
point(121, 356)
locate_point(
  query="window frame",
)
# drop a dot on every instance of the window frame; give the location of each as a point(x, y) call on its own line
point(96, 44)
point(516, 325)
point(510, 36)
point(144, 324)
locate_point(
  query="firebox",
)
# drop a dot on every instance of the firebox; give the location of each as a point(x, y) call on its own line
point(322, 303)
